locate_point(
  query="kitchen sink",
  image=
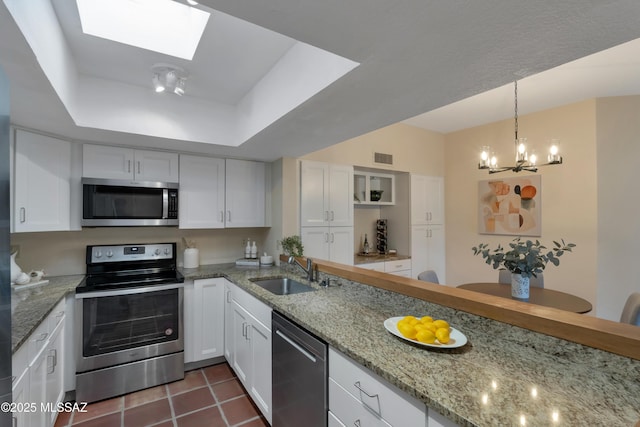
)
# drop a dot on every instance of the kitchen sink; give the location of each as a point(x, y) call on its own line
point(282, 286)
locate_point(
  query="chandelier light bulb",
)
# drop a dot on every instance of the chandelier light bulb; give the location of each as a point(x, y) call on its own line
point(532, 159)
point(157, 84)
point(169, 78)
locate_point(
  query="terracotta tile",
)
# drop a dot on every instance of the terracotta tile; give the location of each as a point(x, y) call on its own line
point(258, 422)
point(168, 423)
point(217, 373)
point(63, 419)
point(98, 409)
point(209, 417)
point(149, 413)
point(111, 420)
point(192, 400)
point(145, 396)
point(192, 380)
point(227, 390)
point(238, 410)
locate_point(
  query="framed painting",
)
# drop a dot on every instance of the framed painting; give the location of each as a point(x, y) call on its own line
point(510, 206)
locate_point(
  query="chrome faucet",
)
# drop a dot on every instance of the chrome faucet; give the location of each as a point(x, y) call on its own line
point(308, 271)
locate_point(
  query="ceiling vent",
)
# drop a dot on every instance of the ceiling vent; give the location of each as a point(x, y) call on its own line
point(386, 159)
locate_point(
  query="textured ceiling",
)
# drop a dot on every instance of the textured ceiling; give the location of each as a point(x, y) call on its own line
point(415, 56)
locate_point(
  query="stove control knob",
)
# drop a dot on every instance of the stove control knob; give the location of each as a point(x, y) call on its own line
point(157, 252)
point(166, 251)
point(98, 254)
point(109, 254)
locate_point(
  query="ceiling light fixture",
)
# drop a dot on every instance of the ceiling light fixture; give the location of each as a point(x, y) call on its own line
point(524, 160)
point(169, 78)
point(192, 2)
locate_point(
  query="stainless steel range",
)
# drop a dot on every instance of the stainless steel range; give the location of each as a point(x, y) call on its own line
point(129, 314)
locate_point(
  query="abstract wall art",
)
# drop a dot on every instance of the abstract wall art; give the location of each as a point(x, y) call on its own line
point(510, 206)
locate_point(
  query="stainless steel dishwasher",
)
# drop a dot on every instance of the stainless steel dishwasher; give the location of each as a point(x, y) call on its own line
point(299, 376)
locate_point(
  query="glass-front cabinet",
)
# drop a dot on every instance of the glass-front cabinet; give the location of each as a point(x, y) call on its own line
point(373, 188)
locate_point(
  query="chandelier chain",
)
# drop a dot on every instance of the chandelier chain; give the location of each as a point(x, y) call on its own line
point(515, 97)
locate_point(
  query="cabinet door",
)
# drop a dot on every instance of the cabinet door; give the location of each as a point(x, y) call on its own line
point(314, 194)
point(42, 183)
point(245, 194)
point(242, 346)
point(102, 161)
point(316, 242)
point(209, 318)
point(260, 338)
point(155, 166)
point(20, 395)
point(38, 388)
point(427, 200)
point(55, 370)
point(201, 192)
point(428, 250)
point(340, 196)
point(341, 245)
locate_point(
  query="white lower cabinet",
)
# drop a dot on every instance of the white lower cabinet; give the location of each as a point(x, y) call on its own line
point(398, 268)
point(248, 345)
point(38, 368)
point(328, 243)
point(359, 397)
point(204, 319)
point(428, 250)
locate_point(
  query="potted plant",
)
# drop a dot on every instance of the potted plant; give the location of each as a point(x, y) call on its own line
point(523, 258)
point(292, 245)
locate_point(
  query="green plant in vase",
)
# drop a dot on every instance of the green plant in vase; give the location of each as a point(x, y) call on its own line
point(292, 245)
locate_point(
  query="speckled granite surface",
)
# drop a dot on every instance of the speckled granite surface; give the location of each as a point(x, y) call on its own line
point(488, 382)
point(361, 259)
point(32, 305)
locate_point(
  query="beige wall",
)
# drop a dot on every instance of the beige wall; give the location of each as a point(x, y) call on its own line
point(61, 253)
point(569, 195)
point(618, 130)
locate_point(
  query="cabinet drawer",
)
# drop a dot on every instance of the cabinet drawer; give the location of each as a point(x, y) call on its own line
point(394, 406)
point(56, 316)
point(375, 266)
point(333, 421)
point(350, 411)
point(20, 361)
point(403, 273)
point(399, 265)
point(257, 308)
point(38, 339)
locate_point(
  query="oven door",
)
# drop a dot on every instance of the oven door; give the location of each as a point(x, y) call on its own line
point(127, 325)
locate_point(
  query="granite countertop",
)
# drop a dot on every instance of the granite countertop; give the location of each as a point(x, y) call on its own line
point(365, 259)
point(30, 306)
point(504, 374)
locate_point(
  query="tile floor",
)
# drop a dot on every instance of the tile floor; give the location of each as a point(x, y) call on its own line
point(210, 396)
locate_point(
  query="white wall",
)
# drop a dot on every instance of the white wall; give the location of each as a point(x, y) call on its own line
point(569, 196)
point(618, 129)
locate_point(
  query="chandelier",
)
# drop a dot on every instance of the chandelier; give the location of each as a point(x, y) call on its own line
point(168, 78)
point(523, 160)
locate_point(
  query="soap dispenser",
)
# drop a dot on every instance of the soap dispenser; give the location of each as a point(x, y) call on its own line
point(247, 250)
point(254, 251)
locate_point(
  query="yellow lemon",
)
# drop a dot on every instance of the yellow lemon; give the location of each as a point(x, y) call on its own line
point(414, 321)
point(407, 330)
point(441, 324)
point(430, 326)
point(443, 335)
point(407, 318)
point(426, 319)
point(426, 336)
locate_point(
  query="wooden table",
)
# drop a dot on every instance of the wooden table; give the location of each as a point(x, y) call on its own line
point(539, 296)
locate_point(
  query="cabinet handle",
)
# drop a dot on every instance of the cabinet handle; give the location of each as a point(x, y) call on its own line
point(357, 423)
point(228, 216)
point(247, 333)
point(138, 167)
point(23, 214)
point(51, 361)
point(128, 166)
point(332, 238)
point(244, 331)
point(42, 337)
point(59, 314)
point(229, 296)
point(332, 216)
point(371, 396)
point(221, 216)
point(326, 237)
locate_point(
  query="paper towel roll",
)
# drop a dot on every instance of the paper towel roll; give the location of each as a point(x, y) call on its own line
point(191, 258)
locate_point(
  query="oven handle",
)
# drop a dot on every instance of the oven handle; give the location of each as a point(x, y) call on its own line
point(128, 291)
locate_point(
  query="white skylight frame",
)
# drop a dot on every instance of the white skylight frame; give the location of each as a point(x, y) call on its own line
point(163, 26)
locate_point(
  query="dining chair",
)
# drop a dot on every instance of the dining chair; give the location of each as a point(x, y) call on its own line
point(504, 276)
point(631, 310)
point(429, 276)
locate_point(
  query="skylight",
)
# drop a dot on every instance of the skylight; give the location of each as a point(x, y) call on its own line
point(163, 26)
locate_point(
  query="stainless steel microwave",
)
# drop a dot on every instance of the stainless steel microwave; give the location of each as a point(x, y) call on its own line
point(121, 203)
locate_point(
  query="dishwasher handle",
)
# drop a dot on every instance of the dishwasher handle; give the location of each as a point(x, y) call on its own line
point(296, 346)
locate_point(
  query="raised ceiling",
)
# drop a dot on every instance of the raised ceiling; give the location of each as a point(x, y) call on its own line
point(414, 57)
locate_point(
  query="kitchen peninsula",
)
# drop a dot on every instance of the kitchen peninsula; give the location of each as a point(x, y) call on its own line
point(504, 375)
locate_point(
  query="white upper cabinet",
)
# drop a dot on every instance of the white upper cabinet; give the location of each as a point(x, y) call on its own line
point(373, 188)
point(101, 161)
point(326, 195)
point(42, 176)
point(202, 192)
point(246, 194)
point(427, 200)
